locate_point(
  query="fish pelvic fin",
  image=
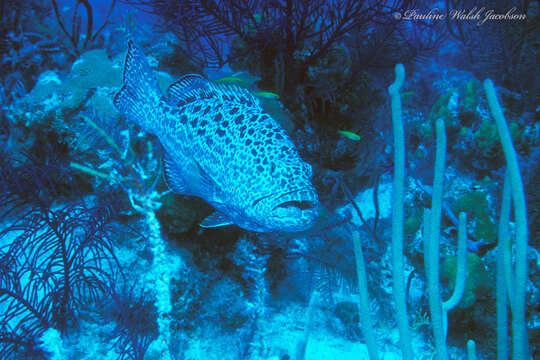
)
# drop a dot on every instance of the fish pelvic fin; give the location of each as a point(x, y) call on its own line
point(139, 97)
point(216, 219)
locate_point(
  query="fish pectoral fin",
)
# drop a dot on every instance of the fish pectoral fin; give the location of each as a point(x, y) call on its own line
point(207, 186)
point(173, 177)
point(216, 219)
point(185, 176)
point(204, 184)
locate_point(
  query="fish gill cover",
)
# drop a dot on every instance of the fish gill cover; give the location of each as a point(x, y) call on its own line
point(132, 131)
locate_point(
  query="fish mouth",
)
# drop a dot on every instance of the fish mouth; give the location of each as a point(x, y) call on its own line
point(299, 204)
point(301, 199)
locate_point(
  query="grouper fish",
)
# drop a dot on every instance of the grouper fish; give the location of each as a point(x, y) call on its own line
point(222, 146)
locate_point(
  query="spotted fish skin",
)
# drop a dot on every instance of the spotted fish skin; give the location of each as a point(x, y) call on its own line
point(221, 146)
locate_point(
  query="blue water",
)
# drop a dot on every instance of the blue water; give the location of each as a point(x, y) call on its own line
point(251, 211)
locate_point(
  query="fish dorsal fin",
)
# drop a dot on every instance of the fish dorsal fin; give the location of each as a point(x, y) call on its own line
point(173, 177)
point(193, 87)
point(235, 94)
point(216, 219)
point(179, 91)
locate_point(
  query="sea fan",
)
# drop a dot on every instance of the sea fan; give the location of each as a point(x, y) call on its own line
point(27, 181)
point(53, 262)
point(283, 31)
point(135, 317)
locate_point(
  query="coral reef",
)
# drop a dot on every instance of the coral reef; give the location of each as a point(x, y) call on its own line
point(482, 47)
point(478, 279)
point(99, 261)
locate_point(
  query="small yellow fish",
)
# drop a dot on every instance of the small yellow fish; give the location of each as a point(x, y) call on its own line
point(229, 79)
point(266, 95)
point(350, 135)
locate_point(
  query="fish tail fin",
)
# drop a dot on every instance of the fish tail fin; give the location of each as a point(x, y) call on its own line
point(139, 97)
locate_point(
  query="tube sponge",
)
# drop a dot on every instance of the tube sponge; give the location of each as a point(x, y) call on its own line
point(520, 347)
point(397, 214)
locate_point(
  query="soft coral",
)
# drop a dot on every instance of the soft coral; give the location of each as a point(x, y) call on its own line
point(55, 260)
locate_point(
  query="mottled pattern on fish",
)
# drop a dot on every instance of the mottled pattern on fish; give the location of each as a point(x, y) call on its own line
point(223, 147)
